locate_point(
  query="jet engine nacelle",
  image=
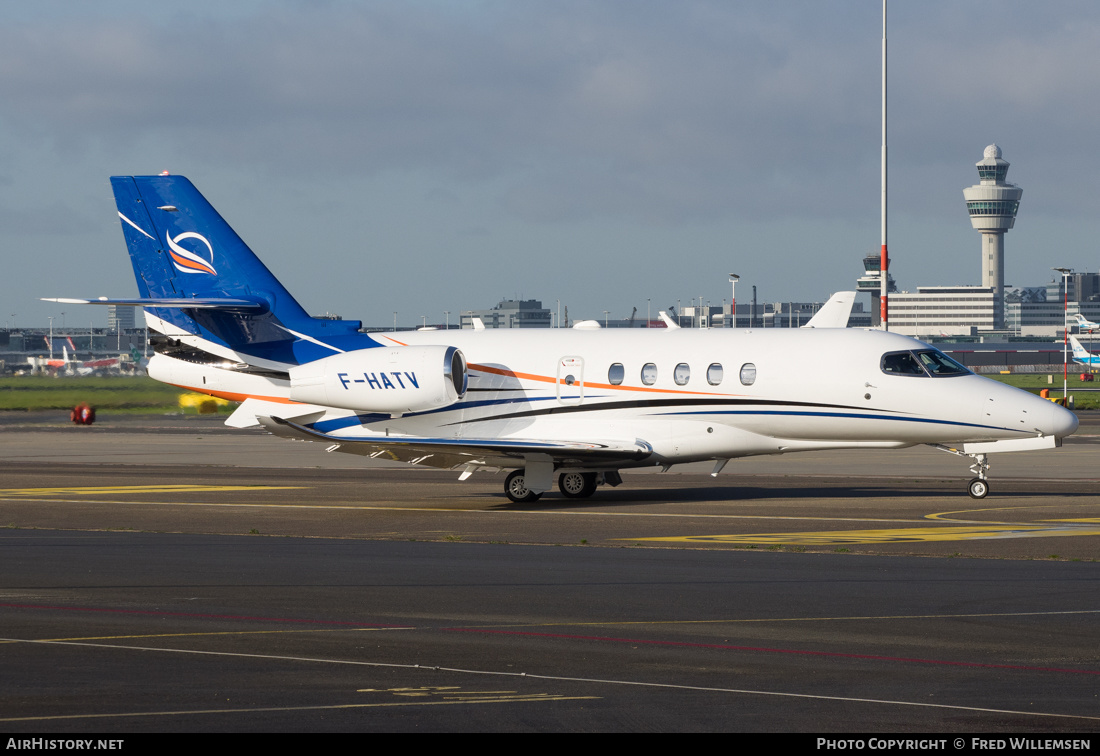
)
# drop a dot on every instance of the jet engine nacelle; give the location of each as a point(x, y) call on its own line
point(394, 380)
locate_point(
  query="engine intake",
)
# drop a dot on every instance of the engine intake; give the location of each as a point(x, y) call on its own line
point(391, 380)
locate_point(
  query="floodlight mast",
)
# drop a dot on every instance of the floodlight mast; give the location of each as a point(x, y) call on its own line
point(734, 278)
point(884, 265)
point(1065, 333)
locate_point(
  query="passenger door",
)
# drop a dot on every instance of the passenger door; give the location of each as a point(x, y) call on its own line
point(570, 380)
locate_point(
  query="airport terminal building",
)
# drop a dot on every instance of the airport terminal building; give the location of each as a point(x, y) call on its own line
point(510, 313)
point(1039, 312)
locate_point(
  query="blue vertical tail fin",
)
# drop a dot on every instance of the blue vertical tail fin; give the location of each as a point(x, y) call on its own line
point(181, 248)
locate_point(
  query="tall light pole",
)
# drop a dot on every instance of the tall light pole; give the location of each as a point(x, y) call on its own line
point(448, 314)
point(1065, 334)
point(605, 318)
point(734, 278)
point(51, 335)
point(648, 312)
point(884, 260)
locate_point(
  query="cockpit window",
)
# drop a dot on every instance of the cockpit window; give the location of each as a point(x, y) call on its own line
point(901, 363)
point(938, 363)
point(927, 362)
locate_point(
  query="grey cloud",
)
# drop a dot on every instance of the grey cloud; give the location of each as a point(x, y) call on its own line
point(621, 109)
point(689, 92)
point(632, 114)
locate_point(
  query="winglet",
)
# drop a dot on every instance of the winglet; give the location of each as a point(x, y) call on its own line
point(834, 313)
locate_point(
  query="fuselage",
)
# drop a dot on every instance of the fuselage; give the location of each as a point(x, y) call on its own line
point(576, 403)
point(687, 394)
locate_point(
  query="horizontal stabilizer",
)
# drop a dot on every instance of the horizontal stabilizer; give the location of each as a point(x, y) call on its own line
point(195, 303)
point(251, 410)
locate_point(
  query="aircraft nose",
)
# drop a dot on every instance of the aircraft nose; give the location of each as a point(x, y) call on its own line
point(1062, 422)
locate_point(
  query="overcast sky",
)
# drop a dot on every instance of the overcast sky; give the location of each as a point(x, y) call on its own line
point(420, 157)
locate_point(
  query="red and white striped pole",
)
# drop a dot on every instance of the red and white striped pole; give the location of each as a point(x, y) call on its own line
point(884, 263)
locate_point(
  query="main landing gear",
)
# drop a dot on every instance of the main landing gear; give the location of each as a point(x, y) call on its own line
point(574, 485)
point(515, 486)
point(978, 487)
point(577, 485)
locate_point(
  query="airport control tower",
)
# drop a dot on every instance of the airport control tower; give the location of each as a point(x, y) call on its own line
point(992, 204)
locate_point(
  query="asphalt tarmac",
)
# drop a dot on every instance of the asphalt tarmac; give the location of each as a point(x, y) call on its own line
point(169, 574)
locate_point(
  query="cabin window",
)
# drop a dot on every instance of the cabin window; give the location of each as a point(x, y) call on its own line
point(748, 374)
point(615, 374)
point(649, 374)
point(682, 374)
point(714, 374)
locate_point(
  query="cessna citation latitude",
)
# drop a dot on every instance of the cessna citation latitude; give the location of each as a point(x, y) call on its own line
point(578, 405)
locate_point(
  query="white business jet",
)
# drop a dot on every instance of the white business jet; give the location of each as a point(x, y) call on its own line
point(578, 405)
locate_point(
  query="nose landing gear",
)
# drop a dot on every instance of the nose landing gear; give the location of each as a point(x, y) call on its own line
point(978, 487)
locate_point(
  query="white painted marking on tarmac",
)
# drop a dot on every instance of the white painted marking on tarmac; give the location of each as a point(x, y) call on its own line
point(556, 678)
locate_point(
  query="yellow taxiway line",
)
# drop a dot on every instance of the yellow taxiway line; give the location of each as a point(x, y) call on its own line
point(892, 535)
point(98, 490)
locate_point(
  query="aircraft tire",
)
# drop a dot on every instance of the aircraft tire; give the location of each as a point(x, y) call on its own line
point(576, 485)
point(515, 488)
point(978, 488)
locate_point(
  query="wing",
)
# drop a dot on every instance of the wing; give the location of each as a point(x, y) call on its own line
point(450, 453)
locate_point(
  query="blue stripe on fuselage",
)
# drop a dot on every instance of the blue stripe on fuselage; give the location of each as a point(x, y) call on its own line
point(850, 415)
point(327, 426)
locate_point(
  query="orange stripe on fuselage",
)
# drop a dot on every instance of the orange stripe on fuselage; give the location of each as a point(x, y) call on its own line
point(548, 379)
point(233, 396)
point(608, 386)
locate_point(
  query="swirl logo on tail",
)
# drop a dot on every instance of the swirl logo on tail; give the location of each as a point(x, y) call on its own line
point(189, 262)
